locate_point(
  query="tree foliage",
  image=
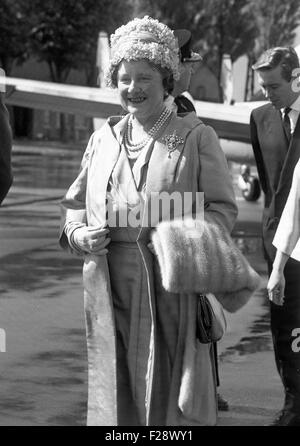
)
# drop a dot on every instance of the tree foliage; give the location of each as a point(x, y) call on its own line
point(217, 26)
point(64, 33)
point(13, 32)
point(234, 27)
point(173, 14)
point(231, 29)
point(277, 21)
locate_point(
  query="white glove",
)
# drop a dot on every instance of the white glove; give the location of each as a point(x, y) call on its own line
point(91, 239)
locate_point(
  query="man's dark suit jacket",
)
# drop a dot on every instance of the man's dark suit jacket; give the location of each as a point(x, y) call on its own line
point(275, 159)
point(5, 152)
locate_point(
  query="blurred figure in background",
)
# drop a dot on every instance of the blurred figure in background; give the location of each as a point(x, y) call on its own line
point(179, 99)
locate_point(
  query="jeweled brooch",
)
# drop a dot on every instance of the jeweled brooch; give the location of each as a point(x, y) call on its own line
point(172, 142)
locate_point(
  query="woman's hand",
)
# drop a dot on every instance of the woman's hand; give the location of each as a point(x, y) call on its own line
point(91, 239)
point(276, 286)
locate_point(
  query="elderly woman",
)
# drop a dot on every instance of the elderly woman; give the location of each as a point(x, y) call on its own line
point(145, 365)
point(286, 240)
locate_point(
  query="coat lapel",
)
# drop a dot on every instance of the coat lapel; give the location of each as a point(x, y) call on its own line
point(274, 143)
point(163, 162)
point(101, 169)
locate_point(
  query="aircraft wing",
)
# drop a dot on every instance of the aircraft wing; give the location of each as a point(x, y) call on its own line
point(231, 122)
point(94, 102)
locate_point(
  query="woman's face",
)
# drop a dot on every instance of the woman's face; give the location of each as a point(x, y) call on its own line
point(141, 89)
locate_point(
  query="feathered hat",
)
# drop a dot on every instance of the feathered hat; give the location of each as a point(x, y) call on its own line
point(144, 38)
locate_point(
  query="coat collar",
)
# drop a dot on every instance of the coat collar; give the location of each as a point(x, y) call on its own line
point(162, 162)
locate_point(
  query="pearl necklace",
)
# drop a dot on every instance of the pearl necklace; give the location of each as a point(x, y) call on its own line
point(130, 146)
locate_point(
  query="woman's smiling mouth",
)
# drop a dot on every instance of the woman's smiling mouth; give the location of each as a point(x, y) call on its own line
point(136, 100)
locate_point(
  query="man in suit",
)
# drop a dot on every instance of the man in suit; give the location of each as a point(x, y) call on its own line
point(5, 152)
point(275, 135)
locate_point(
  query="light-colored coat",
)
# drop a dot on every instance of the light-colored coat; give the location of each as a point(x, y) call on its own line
point(196, 165)
point(287, 237)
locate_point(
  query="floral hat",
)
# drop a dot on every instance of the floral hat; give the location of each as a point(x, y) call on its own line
point(144, 38)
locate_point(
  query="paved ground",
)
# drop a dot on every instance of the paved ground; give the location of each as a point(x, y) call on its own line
point(43, 370)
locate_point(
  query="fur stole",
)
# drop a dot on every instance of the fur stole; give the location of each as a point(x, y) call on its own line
point(202, 258)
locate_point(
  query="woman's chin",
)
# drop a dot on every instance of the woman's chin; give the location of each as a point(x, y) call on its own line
point(138, 112)
point(134, 109)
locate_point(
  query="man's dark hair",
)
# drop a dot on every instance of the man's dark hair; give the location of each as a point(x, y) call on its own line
point(285, 57)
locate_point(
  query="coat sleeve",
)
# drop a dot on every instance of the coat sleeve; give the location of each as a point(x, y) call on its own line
point(215, 181)
point(287, 237)
point(258, 155)
point(73, 205)
point(5, 152)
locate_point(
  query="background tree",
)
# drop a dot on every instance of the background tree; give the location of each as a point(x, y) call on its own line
point(173, 14)
point(218, 26)
point(64, 34)
point(277, 21)
point(107, 16)
point(13, 32)
point(230, 29)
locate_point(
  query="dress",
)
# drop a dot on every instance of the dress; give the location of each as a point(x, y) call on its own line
point(287, 237)
point(142, 368)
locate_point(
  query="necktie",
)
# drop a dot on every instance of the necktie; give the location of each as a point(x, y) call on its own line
point(287, 123)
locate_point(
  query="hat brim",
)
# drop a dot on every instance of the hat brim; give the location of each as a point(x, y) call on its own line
point(183, 36)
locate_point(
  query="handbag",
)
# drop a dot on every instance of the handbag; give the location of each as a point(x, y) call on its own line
point(211, 322)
